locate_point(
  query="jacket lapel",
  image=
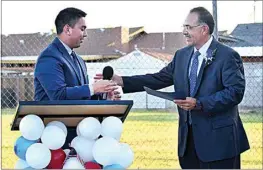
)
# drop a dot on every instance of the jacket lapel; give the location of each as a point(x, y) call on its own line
point(199, 78)
point(187, 59)
point(82, 71)
point(66, 56)
point(201, 71)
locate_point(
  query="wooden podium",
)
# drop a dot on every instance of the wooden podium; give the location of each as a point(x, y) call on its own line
point(71, 112)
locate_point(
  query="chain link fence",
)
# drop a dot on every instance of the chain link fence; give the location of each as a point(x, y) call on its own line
point(151, 128)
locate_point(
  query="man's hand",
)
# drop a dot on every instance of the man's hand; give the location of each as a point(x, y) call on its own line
point(114, 95)
point(115, 78)
point(98, 76)
point(104, 86)
point(188, 104)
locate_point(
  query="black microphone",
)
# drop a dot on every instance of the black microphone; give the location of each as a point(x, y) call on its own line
point(107, 75)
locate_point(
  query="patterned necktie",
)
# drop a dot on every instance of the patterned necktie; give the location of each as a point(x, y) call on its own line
point(192, 79)
point(193, 73)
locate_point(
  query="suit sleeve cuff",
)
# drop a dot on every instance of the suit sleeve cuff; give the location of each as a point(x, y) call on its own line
point(91, 89)
point(198, 105)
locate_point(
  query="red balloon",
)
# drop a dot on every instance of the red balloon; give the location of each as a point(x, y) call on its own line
point(92, 165)
point(57, 159)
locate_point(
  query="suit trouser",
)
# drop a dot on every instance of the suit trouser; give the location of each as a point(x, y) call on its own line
point(190, 159)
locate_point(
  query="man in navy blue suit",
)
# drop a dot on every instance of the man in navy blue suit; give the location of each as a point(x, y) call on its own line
point(60, 74)
point(211, 77)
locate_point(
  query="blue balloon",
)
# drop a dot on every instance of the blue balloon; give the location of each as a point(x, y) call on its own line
point(21, 147)
point(113, 166)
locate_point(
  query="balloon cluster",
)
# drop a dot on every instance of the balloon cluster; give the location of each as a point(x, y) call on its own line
point(97, 145)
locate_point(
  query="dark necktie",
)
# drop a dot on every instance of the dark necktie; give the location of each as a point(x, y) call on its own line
point(77, 66)
point(193, 79)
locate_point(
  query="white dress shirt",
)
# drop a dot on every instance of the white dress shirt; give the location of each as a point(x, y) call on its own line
point(201, 57)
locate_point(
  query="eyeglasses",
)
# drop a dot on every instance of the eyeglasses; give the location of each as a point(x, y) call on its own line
point(190, 27)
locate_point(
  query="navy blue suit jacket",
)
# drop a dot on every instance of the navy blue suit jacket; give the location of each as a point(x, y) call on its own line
point(217, 129)
point(56, 77)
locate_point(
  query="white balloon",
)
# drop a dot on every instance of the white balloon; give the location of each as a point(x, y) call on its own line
point(53, 137)
point(60, 125)
point(105, 150)
point(125, 155)
point(21, 164)
point(77, 129)
point(38, 156)
point(83, 148)
point(73, 163)
point(31, 127)
point(90, 128)
point(66, 151)
point(112, 127)
point(74, 141)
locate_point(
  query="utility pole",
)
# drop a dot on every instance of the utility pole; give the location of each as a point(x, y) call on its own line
point(254, 12)
point(215, 33)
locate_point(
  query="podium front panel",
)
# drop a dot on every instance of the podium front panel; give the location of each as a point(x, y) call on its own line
point(71, 112)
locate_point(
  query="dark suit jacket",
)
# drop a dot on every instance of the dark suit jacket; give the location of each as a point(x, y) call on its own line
point(56, 77)
point(217, 129)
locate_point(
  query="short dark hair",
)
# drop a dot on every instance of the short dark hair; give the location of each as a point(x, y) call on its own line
point(204, 16)
point(68, 16)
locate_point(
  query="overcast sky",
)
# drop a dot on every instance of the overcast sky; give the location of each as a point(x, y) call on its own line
point(168, 16)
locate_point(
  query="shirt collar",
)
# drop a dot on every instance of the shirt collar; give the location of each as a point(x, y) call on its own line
point(66, 46)
point(205, 47)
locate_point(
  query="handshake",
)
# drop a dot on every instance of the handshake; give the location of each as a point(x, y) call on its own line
point(108, 83)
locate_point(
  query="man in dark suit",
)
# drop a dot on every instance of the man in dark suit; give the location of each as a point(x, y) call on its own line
point(211, 77)
point(60, 74)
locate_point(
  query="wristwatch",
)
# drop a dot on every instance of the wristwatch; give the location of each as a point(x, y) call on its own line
point(198, 105)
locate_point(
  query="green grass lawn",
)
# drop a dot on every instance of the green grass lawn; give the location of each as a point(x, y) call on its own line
point(153, 138)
